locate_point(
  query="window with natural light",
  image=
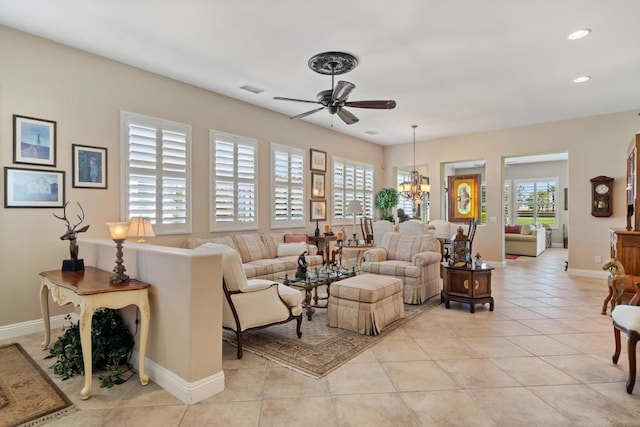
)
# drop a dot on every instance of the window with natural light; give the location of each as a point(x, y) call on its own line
point(351, 180)
point(157, 172)
point(287, 186)
point(403, 202)
point(232, 187)
point(535, 201)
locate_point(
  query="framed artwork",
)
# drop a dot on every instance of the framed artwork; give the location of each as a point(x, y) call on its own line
point(33, 188)
point(34, 141)
point(464, 197)
point(317, 185)
point(318, 160)
point(318, 210)
point(89, 167)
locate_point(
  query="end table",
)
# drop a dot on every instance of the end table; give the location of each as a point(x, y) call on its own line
point(467, 285)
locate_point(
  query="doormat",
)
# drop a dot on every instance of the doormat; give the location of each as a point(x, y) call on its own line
point(28, 397)
point(321, 349)
point(509, 256)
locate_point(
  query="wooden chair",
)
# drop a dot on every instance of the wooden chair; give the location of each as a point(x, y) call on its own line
point(626, 318)
point(473, 224)
point(366, 224)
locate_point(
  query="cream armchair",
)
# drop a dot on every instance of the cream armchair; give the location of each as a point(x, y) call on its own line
point(254, 303)
point(413, 258)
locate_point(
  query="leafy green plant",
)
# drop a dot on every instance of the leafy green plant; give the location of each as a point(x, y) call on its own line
point(111, 345)
point(386, 199)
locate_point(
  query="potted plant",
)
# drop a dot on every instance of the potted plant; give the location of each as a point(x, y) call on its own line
point(386, 199)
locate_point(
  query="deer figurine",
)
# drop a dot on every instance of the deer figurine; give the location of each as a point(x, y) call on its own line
point(71, 235)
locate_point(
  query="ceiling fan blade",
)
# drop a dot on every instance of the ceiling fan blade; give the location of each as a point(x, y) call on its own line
point(347, 117)
point(308, 113)
point(380, 105)
point(281, 98)
point(342, 91)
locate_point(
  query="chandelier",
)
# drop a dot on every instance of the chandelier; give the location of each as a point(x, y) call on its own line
point(414, 189)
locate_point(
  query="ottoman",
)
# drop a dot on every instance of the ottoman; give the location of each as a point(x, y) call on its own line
point(365, 303)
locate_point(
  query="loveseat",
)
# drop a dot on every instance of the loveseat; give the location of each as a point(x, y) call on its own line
point(526, 239)
point(413, 258)
point(266, 255)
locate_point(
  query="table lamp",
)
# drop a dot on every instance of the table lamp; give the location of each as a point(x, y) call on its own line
point(118, 232)
point(354, 207)
point(141, 227)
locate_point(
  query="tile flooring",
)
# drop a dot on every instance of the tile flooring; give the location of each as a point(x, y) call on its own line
point(543, 357)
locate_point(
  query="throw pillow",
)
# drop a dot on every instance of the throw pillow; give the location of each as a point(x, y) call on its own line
point(527, 229)
point(293, 238)
point(512, 229)
point(291, 249)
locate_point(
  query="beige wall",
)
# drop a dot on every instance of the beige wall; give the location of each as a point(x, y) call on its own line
point(84, 94)
point(596, 145)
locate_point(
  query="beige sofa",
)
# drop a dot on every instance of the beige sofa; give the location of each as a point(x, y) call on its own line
point(413, 258)
point(529, 240)
point(265, 255)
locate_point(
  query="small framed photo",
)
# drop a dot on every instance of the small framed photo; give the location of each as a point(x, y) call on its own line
point(318, 210)
point(33, 188)
point(318, 160)
point(34, 141)
point(89, 167)
point(317, 185)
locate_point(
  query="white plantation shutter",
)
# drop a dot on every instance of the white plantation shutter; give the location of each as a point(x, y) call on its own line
point(535, 201)
point(157, 169)
point(352, 180)
point(287, 185)
point(233, 195)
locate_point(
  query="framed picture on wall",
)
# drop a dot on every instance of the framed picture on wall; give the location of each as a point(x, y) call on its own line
point(318, 210)
point(318, 160)
point(317, 185)
point(89, 166)
point(33, 188)
point(464, 197)
point(34, 141)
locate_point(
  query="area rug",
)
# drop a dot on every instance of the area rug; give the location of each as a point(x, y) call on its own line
point(509, 256)
point(321, 349)
point(28, 397)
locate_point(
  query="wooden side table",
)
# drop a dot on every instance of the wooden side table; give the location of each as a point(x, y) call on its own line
point(90, 289)
point(323, 243)
point(467, 285)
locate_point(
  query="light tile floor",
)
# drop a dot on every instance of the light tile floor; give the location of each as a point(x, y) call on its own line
point(543, 357)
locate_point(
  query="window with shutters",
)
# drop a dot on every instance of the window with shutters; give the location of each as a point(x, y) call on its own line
point(157, 159)
point(535, 201)
point(287, 187)
point(403, 202)
point(351, 180)
point(232, 188)
point(506, 199)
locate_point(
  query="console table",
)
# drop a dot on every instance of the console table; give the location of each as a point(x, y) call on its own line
point(91, 289)
point(467, 285)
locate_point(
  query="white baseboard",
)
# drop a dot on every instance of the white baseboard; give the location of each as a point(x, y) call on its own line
point(187, 392)
point(34, 326)
point(595, 274)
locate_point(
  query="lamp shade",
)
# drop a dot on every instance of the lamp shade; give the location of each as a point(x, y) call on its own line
point(354, 207)
point(141, 227)
point(118, 230)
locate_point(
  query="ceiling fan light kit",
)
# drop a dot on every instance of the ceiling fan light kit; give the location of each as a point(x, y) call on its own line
point(335, 99)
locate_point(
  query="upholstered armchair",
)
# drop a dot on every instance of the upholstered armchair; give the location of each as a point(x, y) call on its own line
point(413, 258)
point(253, 303)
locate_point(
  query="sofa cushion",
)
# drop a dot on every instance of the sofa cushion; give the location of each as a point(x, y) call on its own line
point(290, 249)
point(269, 266)
point(401, 246)
point(521, 237)
point(251, 247)
point(272, 240)
point(512, 229)
point(232, 271)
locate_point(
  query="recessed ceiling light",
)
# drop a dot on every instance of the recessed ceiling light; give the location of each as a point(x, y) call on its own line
point(252, 89)
point(582, 79)
point(579, 34)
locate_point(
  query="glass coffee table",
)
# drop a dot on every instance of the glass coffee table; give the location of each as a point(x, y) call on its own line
point(310, 285)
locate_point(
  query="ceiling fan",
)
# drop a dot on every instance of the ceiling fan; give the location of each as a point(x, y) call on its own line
point(336, 98)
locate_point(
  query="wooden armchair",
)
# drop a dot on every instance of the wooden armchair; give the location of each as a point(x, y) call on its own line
point(366, 224)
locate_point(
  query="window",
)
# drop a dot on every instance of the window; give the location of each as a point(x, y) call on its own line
point(351, 180)
point(232, 190)
point(157, 172)
point(404, 203)
point(535, 201)
point(506, 199)
point(287, 187)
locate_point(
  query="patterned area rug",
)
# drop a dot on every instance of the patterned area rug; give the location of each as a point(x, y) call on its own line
point(509, 256)
point(28, 397)
point(321, 348)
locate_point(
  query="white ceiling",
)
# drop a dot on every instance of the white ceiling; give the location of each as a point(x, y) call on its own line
point(454, 67)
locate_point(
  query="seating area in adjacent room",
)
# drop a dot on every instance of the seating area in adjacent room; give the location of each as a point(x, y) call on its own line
point(526, 239)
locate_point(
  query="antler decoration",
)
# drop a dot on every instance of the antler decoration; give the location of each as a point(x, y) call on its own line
point(72, 232)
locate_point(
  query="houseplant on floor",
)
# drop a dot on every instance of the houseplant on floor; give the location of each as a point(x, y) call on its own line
point(111, 346)
point(386, 199)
